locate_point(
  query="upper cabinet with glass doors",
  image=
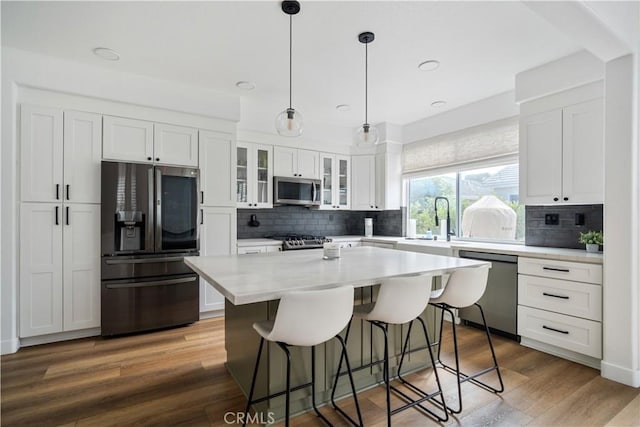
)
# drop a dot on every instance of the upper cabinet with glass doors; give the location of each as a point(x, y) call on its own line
point(335, 179)
point(254, 181)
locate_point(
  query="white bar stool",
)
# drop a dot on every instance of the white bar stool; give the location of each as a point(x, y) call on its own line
point(307, 318)
point(464, 288)
point(401, 300)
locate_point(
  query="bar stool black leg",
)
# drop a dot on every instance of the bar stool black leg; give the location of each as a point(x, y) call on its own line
point(342, 357)
point(493, 353)
point(385, 373)
point(288, 390)
point(253, 382)
point(353, 387)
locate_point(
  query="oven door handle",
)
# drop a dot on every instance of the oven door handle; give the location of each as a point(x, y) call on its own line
point(149, 284)
point(143, 261)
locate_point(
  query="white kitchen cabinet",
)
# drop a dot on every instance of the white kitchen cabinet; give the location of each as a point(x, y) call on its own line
point(293, 162)
point(335, 181)
point(175, 145)
point(127, 140)
point(130, 140)
point(217, 237)
point(40, 268)
point(59, 267)
point(41, 153)
point(248, 250)
point(81, 266)
point(82, 156)
point(560, 308)
point(561, 155)
point(217, 156)
point(254, 176)
point(60, 155)
point(363, 182)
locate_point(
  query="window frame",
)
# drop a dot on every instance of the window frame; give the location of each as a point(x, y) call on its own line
point(458, 169)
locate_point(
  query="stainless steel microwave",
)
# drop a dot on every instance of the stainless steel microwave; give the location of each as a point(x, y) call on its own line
point(296, 191)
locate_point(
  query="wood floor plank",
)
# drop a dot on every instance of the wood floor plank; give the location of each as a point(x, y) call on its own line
point(177, 377)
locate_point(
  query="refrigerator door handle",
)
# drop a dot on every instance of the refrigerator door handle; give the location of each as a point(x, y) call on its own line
point(158, 209)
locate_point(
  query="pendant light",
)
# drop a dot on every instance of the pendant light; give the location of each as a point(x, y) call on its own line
point(289, 121)
point(367, 134)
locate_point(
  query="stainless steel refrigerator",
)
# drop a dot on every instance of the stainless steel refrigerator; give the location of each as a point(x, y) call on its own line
point(149, 224)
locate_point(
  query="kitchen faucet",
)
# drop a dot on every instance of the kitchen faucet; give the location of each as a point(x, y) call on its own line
point(435, 206)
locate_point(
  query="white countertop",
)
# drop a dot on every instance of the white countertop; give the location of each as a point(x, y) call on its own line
point(245, 279)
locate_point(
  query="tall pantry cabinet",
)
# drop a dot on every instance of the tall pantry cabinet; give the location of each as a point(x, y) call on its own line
point(60, 153)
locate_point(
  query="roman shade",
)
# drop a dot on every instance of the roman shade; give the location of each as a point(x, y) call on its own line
point(497, 141)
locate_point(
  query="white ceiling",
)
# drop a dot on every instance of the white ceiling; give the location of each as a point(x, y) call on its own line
point(481, 46)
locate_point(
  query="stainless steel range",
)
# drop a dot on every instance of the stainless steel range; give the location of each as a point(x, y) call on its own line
point(300, 241)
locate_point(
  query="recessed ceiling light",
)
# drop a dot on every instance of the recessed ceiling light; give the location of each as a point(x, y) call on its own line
point(429, 65)
point(246, 85)
point(106, 53)
point(438, 104)
point(343, 107)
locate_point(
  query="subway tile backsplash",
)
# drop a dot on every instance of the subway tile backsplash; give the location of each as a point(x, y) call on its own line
point(566, 232)
point(301, 220)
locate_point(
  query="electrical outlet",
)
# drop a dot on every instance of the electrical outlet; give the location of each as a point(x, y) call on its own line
point(579, 219)
point(551, 219)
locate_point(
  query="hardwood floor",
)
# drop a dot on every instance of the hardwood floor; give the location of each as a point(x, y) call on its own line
point(177, 377)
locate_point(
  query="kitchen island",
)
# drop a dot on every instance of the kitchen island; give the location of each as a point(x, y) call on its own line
point(253, 284)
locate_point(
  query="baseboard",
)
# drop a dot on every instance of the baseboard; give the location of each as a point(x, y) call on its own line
point(9, 346)
point(62, 336)
point(620, 374)
point(211, 314)
point(589, 361)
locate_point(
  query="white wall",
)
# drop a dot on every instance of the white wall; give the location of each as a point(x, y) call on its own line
point(29, 77)
point(621, 326)
point(477, 113)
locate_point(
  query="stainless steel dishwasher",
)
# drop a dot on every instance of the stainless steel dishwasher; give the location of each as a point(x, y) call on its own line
point(500, 299)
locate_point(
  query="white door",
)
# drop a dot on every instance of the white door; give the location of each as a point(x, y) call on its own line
point(285, 161)
point(40, 268)
point(583, 153)
point(41, 153)
point(217, 237)
point(327, 181)
point(82, 155)
point(262, 188)
point(541, 158)
point(217, 154)
point(81, 266)
point(342, 179)
point(127, 140)
point(363, 172)
point(308, 163)
point(175, 145)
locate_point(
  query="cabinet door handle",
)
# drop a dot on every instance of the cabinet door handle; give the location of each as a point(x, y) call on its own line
point(555, 199)
point(561, 270)
point(57, 220)
point(201, 217)
point(68, 191)
point(555, 330)
point(202, 197)
point(148, 158)
point(66, 214)
point(57, 191)
point(566, 199)
point(555, 296)
point(157, 159)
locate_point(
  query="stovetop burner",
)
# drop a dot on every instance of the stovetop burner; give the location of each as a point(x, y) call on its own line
point(300, 241)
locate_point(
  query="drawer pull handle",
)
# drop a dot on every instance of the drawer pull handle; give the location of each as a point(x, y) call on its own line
point(555, 296)
point(555, 330)
point(562, 270)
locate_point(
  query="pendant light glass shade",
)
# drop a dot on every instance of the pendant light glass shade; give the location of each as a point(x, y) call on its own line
point(367, 134)
point(289, 121)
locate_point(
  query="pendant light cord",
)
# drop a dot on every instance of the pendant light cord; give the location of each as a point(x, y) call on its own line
point(290, 56)
point(366, 82)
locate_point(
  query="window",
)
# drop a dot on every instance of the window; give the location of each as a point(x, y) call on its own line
point(484, 203)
